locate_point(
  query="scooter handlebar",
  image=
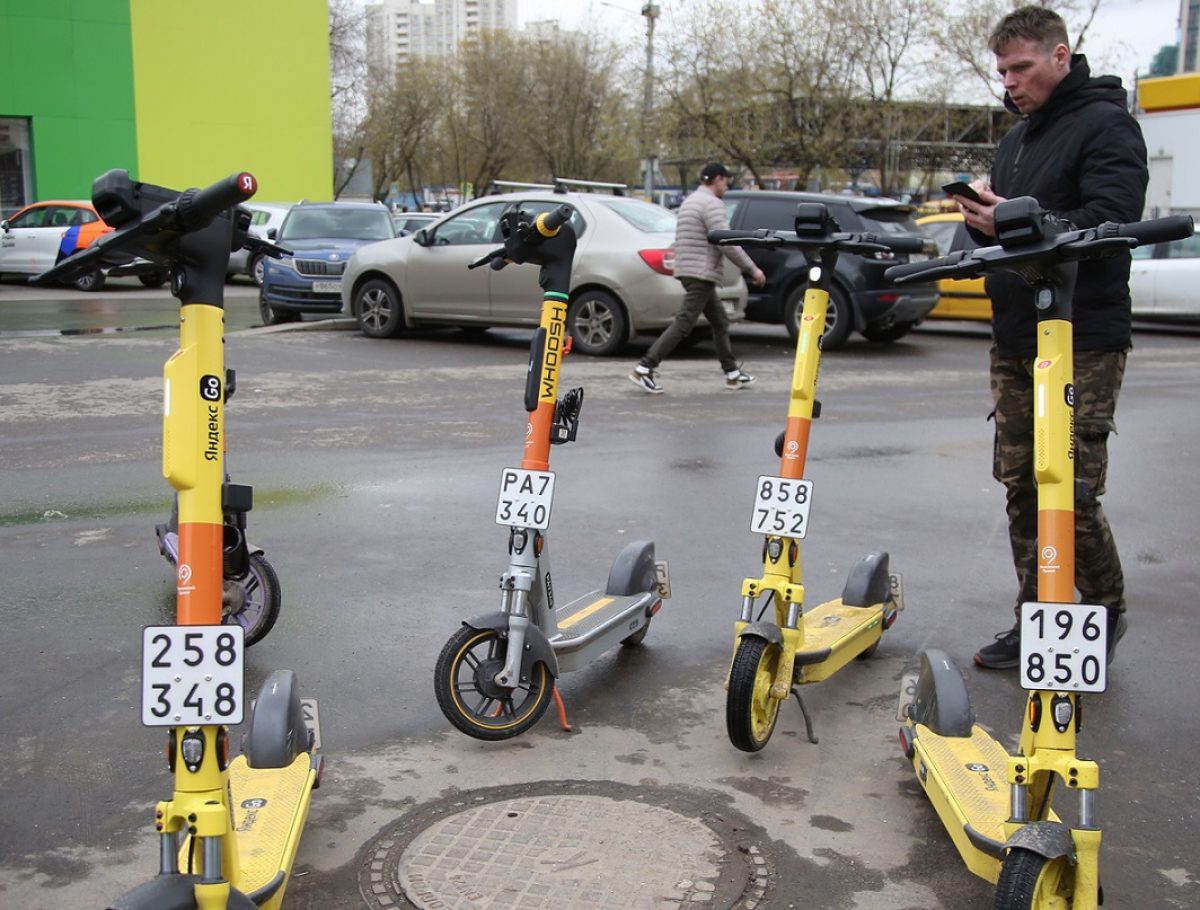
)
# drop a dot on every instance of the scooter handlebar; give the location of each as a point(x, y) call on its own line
point(549, 223)
point(952, 266)
point(496, 255)
point(898, 243)
point(197, 208)
point(760, 237)
point(1158, 230)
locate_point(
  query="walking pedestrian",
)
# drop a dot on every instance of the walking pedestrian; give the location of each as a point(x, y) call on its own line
point(698, 266)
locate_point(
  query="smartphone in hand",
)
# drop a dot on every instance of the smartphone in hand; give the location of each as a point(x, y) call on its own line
point(958, 188)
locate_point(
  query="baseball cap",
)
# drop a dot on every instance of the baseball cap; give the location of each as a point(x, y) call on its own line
point(713, 170)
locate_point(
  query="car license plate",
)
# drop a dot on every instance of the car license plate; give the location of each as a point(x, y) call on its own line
point(312, 719)
point(525, 498)
point(193, 675)
point(1064, 647)
point(908, 695)
point(662, 579)
point(781, 506)
point(327, 287)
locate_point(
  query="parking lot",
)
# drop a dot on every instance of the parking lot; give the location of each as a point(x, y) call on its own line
point(375, 466)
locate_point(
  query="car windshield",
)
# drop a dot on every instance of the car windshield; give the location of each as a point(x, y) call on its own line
point(652, 219)
point(337, 223)
point(895, 221)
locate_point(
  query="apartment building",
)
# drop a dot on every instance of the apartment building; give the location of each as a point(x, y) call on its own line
point(400, 30)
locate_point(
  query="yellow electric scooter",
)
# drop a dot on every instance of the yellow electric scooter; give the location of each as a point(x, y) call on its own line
point(773, 657)
point(229, 834)
point(1011, 834)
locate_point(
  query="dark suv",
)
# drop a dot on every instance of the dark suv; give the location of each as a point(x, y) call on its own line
point(322, 236)
point(859, 298)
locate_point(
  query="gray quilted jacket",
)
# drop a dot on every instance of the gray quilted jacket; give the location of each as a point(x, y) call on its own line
point(695, 257)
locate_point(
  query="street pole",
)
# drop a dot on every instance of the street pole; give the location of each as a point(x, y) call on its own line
point(651, 12)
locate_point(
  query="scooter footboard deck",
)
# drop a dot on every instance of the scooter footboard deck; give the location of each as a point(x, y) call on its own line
point(595, 622)
point(269, 810)
point(966, 779)
point(835, 634)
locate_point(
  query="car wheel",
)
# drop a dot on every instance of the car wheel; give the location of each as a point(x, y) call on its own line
point(893, 332)
point(839, 318)
point(89, 281)
point(597, 324)
point(255, 270)
point(272, 316)
point(378, 309)
point(154, 279)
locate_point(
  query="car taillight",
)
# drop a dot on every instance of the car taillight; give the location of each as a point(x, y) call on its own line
point(662, 261)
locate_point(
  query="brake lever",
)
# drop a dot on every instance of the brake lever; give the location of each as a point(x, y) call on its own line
point(497, 254)
point(266, 247)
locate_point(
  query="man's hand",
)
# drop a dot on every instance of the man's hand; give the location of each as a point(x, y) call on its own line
point(980, 215)
point(758, 278)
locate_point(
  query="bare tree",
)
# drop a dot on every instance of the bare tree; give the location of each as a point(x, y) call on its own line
point(403, 123)
point(347, 78)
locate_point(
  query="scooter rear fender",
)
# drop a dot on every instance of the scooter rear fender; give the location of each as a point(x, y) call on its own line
point(537, 646)
point(1049, 839)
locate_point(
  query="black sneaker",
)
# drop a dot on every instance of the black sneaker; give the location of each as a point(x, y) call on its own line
point(1116, 631)
point(738, 379)
point(646, 380)
point(1002, 654)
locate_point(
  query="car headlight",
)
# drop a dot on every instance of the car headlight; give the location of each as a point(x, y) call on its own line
point(284, 262)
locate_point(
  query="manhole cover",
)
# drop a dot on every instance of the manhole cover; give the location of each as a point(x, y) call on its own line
point(563, 849)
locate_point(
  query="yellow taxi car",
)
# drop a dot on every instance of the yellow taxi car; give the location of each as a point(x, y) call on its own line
point(960, 298)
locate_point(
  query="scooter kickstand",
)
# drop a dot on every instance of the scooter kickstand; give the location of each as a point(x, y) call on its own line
point(807, 720)
point(562, 711)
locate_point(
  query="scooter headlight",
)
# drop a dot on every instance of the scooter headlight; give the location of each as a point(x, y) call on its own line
point(192, 749)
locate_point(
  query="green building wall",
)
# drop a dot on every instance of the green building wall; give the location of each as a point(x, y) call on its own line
point(178, 92)
point(67, 65)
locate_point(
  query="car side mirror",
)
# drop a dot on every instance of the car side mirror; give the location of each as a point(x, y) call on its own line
point(4, 225)
point(421, 237)
point(272, 233)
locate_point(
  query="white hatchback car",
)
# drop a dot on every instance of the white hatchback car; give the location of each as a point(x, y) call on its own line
point(621, 282)
point(1163, 281)
point(264, 216)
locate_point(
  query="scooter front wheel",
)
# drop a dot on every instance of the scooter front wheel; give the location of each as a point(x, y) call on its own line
point(1030, 881)
point(467, 693)
point(253, 600)
point(750, 711)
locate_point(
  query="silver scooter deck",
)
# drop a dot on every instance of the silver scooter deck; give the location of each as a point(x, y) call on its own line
point(595, 622)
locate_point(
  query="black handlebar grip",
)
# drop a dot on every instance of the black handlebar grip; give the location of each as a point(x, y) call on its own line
point(729, 236)
point(549, 223)
point(199, 207)
point(902, 244)
point(1158, 230)
point(899, 273)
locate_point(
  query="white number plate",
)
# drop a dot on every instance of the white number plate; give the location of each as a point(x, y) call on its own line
point(781, 506)
point(327, 287)
point(193, 675)
point(312, 719)
point(525, 498)
point(1064, 647)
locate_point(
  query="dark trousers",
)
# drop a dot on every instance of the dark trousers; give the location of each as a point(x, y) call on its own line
point(1098, 375)
point(699, 297)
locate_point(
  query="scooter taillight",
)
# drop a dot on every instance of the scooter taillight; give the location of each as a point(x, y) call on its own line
point(662, 261)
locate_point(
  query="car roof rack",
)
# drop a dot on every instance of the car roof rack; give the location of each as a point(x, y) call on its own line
point(566, 184)
point(497, 186)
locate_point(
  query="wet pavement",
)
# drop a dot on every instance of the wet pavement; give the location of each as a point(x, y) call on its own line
point(375, 466)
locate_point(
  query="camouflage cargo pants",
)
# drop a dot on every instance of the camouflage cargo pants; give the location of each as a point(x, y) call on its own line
point(1098, 374)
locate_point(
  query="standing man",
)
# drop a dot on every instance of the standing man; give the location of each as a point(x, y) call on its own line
point(698, 266)
point(1078, 152)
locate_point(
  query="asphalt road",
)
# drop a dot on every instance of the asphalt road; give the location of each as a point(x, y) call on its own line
point(375, 465)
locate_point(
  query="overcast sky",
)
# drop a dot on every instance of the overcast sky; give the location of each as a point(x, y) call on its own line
point(1124, 37)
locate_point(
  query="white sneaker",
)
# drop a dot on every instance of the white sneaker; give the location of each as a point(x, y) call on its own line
point(646, 380)
point(738, 379)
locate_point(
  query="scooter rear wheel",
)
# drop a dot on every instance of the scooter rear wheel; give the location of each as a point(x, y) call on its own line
point(253, 600)
point(464, 680)
point(750, 711)
point(1030, 881)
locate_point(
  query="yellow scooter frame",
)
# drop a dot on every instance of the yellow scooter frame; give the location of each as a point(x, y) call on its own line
point(796, 647)
point(230, 831)
point(1010, 835)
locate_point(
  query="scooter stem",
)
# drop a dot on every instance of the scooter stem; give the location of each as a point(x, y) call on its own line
point(554, 349)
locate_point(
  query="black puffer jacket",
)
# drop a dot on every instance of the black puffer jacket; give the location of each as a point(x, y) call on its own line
point(1083, 158)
